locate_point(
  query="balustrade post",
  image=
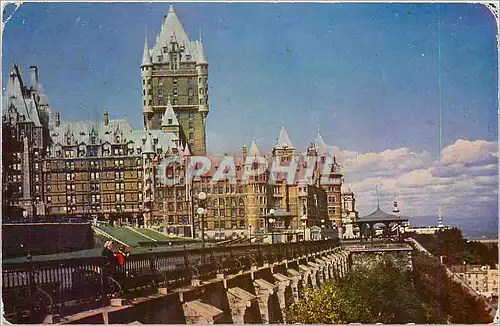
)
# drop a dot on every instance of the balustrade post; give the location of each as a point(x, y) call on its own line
point(152, 265)
point(186, 258)
point(104, 281)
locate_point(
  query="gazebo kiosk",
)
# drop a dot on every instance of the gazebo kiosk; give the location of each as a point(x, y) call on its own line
point(380, 217)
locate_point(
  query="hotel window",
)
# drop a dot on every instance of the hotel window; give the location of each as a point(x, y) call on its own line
point(175, 91)
point(175, 80)
point(160, 101)
point(160, 92)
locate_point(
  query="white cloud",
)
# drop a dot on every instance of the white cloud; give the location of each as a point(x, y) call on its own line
point(464, 181)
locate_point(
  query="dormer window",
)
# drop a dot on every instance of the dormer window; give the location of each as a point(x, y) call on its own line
point(165, 49)
point(169, 121)
point(160, 58)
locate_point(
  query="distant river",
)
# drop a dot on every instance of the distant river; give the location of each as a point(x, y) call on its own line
point(472, 227)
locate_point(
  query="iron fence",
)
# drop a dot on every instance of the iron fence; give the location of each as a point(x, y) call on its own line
point(54, 285)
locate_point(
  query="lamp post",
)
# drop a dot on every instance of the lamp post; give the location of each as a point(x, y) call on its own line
point(323, 229)
point(271, 221)
point(201, 212)
point(304, 224)
point(250, 233)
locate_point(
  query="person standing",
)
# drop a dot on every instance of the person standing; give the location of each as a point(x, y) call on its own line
point(121, 257)
point(109, 264)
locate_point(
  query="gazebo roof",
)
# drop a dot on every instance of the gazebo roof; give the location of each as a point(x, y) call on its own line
point(381, 216)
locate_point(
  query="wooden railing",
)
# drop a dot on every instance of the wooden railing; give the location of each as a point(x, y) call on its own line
point(56, 286)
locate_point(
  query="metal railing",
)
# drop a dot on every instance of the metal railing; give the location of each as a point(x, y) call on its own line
point(59, 285)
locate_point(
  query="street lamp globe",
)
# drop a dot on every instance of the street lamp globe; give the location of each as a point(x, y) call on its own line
point(200, 211)
point(322, 221)
point(272, 211)
point(202, 196)
point(272, 220)
point(303, 224)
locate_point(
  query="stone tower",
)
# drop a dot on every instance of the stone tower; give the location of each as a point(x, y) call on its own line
point(176, 68)
point(333, 188)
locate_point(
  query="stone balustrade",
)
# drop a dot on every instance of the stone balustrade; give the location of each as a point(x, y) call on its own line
point(257, 295)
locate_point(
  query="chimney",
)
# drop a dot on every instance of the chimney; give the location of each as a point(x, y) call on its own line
point(106, 118)
point(244, 152)
point(34, 76)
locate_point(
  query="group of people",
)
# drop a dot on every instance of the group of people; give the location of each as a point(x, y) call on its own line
point(114, 263)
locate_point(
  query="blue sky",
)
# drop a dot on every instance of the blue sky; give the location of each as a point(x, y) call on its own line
point(365, 74)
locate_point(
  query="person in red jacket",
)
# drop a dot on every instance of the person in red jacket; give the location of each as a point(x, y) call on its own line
point(121, 256)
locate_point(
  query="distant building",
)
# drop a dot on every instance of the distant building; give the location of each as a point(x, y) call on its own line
point(483, 279)
point(493, 282)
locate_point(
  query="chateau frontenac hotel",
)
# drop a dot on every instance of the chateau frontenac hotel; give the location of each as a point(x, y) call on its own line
point(107, 170)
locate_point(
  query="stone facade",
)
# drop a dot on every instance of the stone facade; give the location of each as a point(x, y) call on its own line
point(24, 138)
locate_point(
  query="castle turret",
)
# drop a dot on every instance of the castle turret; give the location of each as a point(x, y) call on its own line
point(169, 122)
point(284, 148)
point(34, 77)
point(146, 73)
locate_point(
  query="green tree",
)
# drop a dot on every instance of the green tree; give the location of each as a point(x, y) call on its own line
point(382, 293)
point(319, 306)
point(444, 300)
